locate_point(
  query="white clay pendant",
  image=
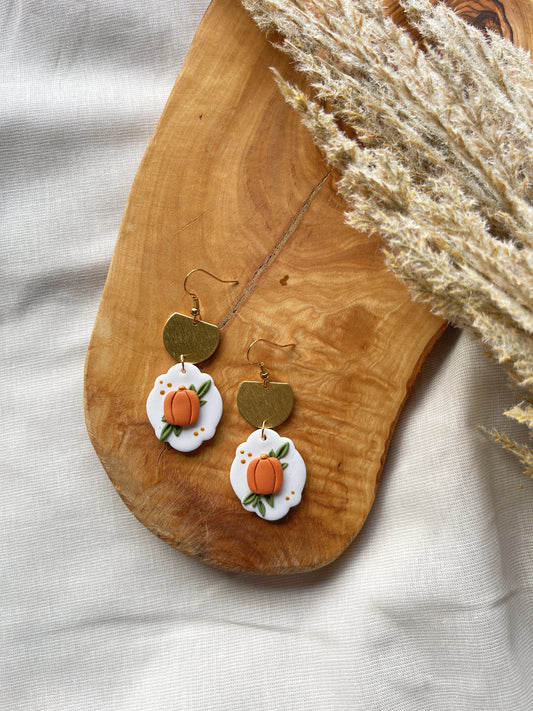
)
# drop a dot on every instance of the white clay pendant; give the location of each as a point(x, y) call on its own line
point(184, 407)
point(268, 474)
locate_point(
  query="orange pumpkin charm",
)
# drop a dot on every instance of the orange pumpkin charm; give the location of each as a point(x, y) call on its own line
point(181, 407)
point(265, 475)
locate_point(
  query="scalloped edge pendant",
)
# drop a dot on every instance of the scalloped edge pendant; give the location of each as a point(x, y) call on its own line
point(256, 479)
point(184, 430)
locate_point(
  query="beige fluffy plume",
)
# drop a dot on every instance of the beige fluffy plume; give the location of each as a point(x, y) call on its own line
point(433, 142)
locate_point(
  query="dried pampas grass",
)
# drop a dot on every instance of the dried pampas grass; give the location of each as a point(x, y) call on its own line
point(433, 141)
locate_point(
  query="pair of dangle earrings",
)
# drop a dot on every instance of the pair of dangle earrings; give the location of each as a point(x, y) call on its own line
point(184, 407)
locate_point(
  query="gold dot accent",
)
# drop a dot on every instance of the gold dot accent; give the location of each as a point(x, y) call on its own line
point(161, 382)
point(161, 392)
point(287, 498)
point(292, 492)
point(196, 434)
point(169, 385)
point(202, 429)
point(241, 451)
point(250, 454)
point(243, 461)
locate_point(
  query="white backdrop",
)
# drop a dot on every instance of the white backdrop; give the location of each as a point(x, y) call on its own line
point(430, 608)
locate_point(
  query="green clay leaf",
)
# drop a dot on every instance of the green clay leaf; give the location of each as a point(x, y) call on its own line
point(249, 498)
point(163, 419)
point(177, 430)
point(261, 507)
point(165, 432)
point(270, 500)
point(202, 402)
point(204, 387)
point(191, 387)
point(272, 453)
point(284, 465)
point(282, 451)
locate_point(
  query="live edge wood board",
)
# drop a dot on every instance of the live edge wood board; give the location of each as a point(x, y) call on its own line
point(231, 182)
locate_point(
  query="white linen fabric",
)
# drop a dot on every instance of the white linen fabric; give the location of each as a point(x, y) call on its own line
point(429, 608)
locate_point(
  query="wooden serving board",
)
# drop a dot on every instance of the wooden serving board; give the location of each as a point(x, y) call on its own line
point(232, 183)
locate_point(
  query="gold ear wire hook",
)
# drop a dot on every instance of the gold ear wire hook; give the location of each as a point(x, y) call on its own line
point(260, 363)
point(195, 311)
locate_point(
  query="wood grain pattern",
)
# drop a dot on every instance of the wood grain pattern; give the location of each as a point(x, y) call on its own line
point(231, 182)
point(512, 19)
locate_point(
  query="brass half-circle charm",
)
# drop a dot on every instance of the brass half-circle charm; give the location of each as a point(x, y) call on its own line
point(271, 405)
point(194, 341)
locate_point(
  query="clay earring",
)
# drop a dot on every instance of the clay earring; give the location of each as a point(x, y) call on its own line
point(184, 406)
point(268, 473)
